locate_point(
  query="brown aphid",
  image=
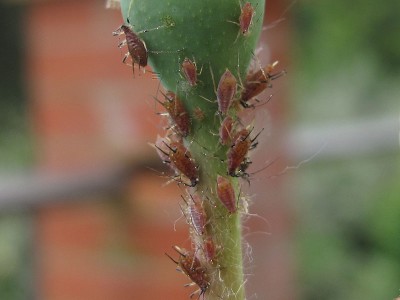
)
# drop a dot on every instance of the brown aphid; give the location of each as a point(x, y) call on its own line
point(246, 18)
point(238, 162)
point(136, 47)
point(226, 193)
point(225, 131)
point(177, 112)
point(181, 159)
point(257, 82)
point(189, 70)
point(209, 249)
point(238, 151)
point(192, 267)
point(197, 214)
point(226, 90)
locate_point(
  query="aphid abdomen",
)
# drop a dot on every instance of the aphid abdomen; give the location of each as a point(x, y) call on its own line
point(197, 215)
point(238, 151)
point(255, 84)
point(192, 267)
point(189, 70)
point(178, 113)
point(226, 194)
point(184, 162)
point(209, 249)
point(225, 130)
point(226, 90)
point(136, 47)
point(259, 81)
point(246, 17)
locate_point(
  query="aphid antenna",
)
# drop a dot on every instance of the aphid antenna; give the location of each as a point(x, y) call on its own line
point(144, 30)
point(166, 51)
point(305, 161)
point(247, 176)
point(212, 77)
point(238, 72)
point(281, 17)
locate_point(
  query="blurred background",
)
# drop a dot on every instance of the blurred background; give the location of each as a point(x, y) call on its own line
point(82, 217)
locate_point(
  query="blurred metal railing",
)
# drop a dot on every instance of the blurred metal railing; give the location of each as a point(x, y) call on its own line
point(32, 190)
point(335, 141)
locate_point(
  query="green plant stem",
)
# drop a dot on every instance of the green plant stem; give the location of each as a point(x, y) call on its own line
point(207, 32)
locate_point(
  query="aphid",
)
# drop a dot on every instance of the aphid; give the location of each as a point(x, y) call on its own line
point(189, 70)
point(197, 214)
point(192, 267)
point(226, 90)
point(257, 82)
point(136, 47)
point(237, 152)
point(198, 114)
point(182, 161)
point(246, 18)
point(226, 193)
point(177, 112)
point(209, 249)
point(225, 131)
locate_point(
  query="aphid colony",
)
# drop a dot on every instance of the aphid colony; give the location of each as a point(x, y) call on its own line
point(235, 140)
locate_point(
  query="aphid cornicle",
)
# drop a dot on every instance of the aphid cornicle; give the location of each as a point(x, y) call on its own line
point(181, 159)
point(136, 47)
point(177, 112)
point(189, 70)
point(226, 90)
point(257, 82)
point(246, 18)
point(226, 193)
point(192, 267)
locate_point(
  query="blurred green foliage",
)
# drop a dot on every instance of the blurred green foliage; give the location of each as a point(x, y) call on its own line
point(347, 66)
point(15, 143)
point(347, 61)
point(15, 152)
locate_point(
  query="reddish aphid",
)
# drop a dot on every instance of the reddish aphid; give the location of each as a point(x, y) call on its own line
point(246, 18)
point(189, 70)
point(177, 112)
point(237, 152)
point(226, 90)
point(209, 249)
point(182, 161)
point(192, 267)
point(197, 214)
point(136, 47)
point(226, 194)
point(257, 82)
point(225, 131)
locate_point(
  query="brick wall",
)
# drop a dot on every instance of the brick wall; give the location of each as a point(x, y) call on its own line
point(87, 112)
